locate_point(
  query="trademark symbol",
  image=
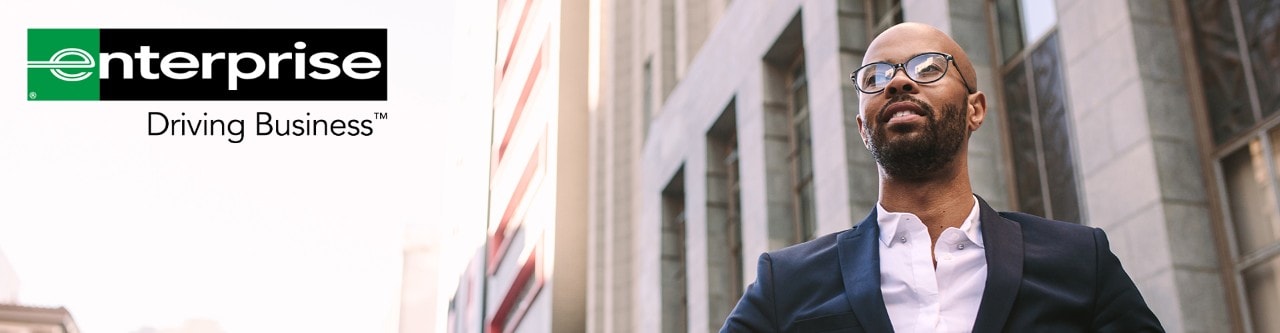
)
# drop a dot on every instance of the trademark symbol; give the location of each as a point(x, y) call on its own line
point(376, 115)
point(32, 95)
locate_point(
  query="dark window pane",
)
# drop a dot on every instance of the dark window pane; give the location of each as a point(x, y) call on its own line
point(1055, 132)
point(808, 220)
point(1047, 76)
point(1010, 17)
point(1221, 70)
point(1261, 21)
point(804, 152)
point(675, 298)
point(801, 153)
point(1022, 135)
point(724, 236)
point(885, 13)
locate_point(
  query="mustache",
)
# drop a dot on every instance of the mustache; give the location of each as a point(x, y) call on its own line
point(925, 110)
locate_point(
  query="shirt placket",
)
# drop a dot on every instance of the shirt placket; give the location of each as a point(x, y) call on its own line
point(948, 259)
point(925, 281)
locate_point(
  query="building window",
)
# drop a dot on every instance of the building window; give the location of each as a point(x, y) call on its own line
point(520, 296)
point(787, 149)
point(801, 154)
point(1237, 62)
point(724, 223)
point(1248, 183)
point(675, 300)
point(1010, 34)
point(1035, 104)
point(884, 14)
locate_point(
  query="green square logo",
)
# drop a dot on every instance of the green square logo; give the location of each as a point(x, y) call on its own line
point(62, 64)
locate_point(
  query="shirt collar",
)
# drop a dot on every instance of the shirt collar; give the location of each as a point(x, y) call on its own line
point(890, 222)
point(972, 227)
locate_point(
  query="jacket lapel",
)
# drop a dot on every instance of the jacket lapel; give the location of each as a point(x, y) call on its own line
point(1003, 243)
point(860, 268)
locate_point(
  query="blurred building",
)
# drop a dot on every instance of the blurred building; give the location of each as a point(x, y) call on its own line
point(726, 129)
point(33, 319)
point(532, 269)
point(15, 318)
point(466, 307)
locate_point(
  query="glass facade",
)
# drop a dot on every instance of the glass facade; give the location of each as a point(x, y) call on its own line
point(1237, 49)
point(1039, 126)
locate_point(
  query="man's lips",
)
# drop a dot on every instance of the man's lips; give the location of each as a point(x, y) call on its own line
point(901, 111)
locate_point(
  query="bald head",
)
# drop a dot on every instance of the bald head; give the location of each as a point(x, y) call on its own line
point(905, 40)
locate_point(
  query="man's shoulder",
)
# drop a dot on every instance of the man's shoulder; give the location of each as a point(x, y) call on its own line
point(810, 252)
point(1035, 224)
point(1055, 240)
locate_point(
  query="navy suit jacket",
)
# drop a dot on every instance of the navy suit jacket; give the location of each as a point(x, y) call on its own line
point(1042, 276)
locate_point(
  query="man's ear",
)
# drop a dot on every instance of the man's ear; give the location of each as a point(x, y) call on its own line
point(977, 110)
point(862, 131)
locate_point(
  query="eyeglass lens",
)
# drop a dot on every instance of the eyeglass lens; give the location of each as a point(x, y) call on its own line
point(924, 68)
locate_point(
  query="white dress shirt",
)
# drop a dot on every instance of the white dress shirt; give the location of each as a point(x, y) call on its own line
point(918, 297)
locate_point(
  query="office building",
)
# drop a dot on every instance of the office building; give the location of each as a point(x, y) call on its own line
point(727, 128)
point(531, 274)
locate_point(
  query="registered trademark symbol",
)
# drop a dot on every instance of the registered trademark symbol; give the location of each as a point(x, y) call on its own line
point(32, 95)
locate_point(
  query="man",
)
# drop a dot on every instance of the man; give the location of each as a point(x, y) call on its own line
point(932, 256)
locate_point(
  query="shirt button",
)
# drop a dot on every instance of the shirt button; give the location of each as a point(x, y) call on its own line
point(961, 246)
point(903, 239)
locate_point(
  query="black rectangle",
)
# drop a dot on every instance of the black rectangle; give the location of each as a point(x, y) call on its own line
point(263, 42)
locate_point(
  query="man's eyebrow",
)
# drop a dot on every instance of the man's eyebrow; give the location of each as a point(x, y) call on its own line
point(904, 60)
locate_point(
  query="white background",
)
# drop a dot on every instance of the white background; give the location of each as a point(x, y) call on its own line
point(273, 234)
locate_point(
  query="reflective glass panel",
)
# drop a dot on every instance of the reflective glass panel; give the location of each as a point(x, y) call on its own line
point(1262, 287)
point(1251, 200)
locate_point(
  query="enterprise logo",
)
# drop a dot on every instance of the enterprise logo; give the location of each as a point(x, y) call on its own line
point(206, 64)
point(58, 62)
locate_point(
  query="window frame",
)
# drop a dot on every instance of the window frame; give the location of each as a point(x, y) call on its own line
point(880, 19)
point(1232, 264)
point(801, 184)
point(1004, 65)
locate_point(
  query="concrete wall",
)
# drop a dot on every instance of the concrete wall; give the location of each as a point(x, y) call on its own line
point(731, 68)
point(1141, 177)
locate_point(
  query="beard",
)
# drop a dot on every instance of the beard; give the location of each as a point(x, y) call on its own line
point(923, 154)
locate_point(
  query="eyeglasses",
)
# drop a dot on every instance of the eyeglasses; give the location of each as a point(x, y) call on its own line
point(924, 68)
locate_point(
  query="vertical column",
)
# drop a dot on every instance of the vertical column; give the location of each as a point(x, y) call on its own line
point(1141, 177)
point(862, 178)
point(827, 77)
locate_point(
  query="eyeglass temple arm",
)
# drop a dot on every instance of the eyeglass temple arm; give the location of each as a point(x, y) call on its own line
point(961, 72)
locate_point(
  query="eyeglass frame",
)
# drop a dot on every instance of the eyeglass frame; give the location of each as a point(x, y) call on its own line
point(853, 77)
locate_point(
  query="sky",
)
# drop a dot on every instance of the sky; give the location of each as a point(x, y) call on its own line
point(274, 234)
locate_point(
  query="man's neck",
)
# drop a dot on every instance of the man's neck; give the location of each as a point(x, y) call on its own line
point(940, 202)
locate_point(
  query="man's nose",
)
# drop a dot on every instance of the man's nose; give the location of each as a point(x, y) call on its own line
point(901, 84)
